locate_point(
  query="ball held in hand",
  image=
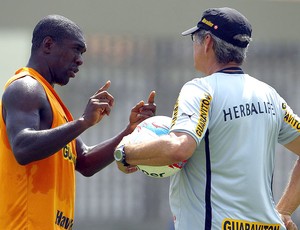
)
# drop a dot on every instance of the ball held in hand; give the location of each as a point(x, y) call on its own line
point(150, 128)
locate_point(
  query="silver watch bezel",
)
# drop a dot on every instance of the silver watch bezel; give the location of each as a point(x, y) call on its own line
point(119, 153)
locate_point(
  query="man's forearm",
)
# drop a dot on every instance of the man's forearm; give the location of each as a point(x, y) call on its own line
point(290, 199)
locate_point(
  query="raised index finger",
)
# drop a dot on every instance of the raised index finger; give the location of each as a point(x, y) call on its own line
point(104, 87)
point(151, 97)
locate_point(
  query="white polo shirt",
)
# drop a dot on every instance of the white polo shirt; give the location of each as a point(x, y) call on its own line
point(236, 121)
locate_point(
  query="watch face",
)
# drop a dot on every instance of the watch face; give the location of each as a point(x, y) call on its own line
point(118, 155)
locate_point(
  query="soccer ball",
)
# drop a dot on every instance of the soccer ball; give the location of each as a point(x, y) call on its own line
point(150, 128)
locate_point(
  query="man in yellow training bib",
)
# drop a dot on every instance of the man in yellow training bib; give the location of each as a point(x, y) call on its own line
point(39, 139)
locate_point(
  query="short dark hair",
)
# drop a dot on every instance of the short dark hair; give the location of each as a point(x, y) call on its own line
point(57, 27)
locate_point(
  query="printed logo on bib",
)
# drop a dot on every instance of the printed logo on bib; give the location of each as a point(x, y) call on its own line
point(68, 155)
point(230, 224)
point(63, 221)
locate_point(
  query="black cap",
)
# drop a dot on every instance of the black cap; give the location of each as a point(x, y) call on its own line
point(225, 23)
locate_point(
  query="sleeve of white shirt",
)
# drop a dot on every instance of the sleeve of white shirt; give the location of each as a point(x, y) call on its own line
point(191, 111)
point(290, 127)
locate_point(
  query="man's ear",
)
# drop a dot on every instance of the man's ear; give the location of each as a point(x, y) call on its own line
point(208, 42)
point(47, 44)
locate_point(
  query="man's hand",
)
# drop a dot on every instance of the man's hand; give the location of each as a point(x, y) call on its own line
point(121, 167)
point(99, 105)
point(142, 111)
point(127, 169)
point(139, 113)
point(289, 224)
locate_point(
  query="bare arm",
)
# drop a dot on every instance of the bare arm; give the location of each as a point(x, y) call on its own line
point(294, 146)
point(90, 160)
point(28, 119)
point(164, 150)
point(290, 199)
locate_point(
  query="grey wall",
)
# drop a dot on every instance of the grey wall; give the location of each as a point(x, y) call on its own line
point(272, 20)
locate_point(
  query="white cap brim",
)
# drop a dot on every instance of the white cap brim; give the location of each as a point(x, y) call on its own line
point(190, 31)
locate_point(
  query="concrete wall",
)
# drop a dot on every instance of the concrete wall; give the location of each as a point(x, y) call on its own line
point(276, 21)
point(272, 20)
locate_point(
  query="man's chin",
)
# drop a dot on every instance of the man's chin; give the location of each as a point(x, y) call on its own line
point(65, 82)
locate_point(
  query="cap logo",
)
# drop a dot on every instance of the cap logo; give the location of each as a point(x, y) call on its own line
point(206, 22)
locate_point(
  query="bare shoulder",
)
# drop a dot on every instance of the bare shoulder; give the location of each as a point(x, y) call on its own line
point(24, 92)
point(25, 101)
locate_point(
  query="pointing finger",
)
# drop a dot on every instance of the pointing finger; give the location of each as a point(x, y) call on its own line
point(151, 97)
point(103, 88)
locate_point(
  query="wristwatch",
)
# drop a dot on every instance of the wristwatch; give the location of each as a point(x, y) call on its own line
point(120, 155)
